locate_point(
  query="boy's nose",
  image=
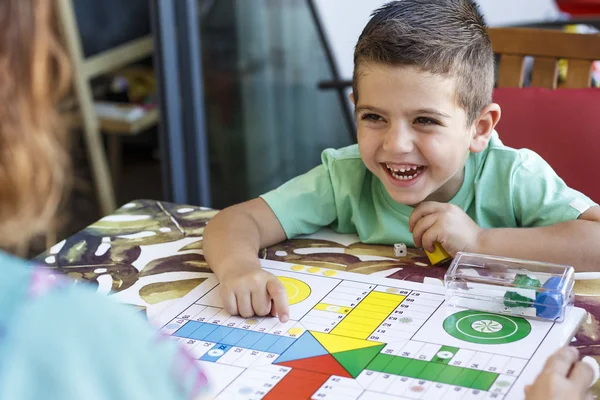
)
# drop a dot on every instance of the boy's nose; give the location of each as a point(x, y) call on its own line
point(398, 140)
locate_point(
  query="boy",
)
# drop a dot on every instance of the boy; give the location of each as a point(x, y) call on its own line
point(428, 167)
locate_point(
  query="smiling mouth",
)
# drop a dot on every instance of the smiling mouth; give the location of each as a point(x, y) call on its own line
point(405, 173)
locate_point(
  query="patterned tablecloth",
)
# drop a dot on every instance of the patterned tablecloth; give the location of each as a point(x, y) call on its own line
point(149, 254)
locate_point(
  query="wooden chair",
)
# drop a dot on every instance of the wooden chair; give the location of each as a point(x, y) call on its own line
point(546, 47)
point(561, 125)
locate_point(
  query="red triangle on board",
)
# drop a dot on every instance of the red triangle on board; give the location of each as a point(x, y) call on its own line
point(325, 364)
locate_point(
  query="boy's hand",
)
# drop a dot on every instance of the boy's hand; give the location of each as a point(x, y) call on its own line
point(563, 377)
point(445, 223)
point(254, 291)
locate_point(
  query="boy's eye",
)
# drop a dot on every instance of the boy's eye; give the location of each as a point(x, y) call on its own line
point(426, 121)
point(372, 117)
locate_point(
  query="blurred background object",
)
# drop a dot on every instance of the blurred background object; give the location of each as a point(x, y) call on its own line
point(579, 7)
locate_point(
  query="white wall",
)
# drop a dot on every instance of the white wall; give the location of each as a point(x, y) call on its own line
point(344, 20)
point(511, 12)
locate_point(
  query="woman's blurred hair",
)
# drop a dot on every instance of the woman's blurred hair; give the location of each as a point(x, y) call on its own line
point(34, 75)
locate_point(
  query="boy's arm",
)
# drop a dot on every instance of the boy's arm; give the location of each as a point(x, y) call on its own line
point(572, 242)
point(232, 240)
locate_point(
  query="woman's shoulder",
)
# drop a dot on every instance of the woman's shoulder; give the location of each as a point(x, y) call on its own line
point(57, 330)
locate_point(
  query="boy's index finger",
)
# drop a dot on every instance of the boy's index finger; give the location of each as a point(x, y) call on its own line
point(423, 209)
point(280, 299)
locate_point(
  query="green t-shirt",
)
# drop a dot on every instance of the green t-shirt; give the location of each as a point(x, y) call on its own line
point(503, 187)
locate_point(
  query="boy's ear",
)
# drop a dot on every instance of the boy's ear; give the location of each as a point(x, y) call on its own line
point(484, 126)
point(352, 98)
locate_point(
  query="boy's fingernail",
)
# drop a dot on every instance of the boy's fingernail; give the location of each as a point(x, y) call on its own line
point(284, 318)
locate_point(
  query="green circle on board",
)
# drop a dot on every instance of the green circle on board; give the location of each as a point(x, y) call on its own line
point(485, 328)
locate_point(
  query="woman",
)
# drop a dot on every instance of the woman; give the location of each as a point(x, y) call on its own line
point(58, 341)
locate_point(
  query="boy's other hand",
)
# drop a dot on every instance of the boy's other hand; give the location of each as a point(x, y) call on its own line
point(563, 377)
point(445, 223)
point(254, 291)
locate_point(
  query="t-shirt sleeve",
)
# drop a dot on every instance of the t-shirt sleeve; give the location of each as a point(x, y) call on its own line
point(306, 203)
point(74, 344)
point(541, 197)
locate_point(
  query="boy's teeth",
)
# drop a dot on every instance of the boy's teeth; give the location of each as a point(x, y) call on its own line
point(400, 173)
point(401, 169)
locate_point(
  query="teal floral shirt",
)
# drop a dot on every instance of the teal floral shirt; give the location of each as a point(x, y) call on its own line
point(60, 341)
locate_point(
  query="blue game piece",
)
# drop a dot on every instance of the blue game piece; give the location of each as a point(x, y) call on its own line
point(215, 353)
point(548, 304)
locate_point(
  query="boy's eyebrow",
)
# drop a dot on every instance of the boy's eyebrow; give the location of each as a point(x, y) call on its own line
point(432, 111)
point(367, 107)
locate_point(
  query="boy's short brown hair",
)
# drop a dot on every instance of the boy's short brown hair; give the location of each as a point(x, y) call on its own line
point(447, 37)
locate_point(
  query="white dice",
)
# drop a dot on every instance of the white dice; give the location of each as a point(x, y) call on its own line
point(400, 249)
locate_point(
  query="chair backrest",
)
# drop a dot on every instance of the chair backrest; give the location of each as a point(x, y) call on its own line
point(563, 125)
point(546, 47)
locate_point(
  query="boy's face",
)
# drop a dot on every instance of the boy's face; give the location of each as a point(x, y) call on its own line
point(412, 134)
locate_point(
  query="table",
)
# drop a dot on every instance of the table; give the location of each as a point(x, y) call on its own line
point(149, 254)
